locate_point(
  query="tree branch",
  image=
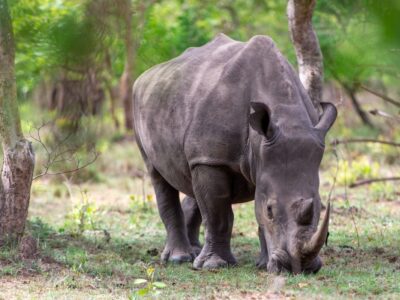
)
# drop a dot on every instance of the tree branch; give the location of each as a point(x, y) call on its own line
point(381, 113)
point(361, 113)
point(56, 155)
point(382, 96)
point(352, 141)
point(76, 169)
point(372, 180)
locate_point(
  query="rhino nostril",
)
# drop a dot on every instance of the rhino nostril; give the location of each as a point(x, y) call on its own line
point(279, 262)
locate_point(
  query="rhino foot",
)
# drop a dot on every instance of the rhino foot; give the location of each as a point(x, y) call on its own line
point(210, 260)
point(177, 255)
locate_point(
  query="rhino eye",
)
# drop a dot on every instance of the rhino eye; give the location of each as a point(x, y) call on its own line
point(269, 212)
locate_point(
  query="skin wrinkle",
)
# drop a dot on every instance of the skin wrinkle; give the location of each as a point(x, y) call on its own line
point(195, 127)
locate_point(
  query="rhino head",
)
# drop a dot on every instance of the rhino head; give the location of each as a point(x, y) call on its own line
point(286, 156)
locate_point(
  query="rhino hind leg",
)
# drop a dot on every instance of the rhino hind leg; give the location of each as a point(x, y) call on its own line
point(177, 248)
point(212, 188)
point(262, 260)
point(193, 222)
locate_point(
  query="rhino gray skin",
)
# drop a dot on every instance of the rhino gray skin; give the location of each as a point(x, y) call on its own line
point(227, 123)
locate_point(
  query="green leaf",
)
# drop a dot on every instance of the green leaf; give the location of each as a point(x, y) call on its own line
point(140, 281)
point(159, 285)
point(143, 292)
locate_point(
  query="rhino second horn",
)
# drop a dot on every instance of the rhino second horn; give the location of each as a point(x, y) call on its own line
point(306, 211)
point(314, 245)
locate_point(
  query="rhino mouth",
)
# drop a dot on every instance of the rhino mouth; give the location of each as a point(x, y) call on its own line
point(281, 262)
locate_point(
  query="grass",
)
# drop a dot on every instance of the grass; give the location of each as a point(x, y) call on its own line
point(97, 268)
point(102, 238)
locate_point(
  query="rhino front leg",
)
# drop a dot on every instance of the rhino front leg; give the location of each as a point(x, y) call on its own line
point(262, 260)
point(177, 248)
point(212, 188)
point(193, 222)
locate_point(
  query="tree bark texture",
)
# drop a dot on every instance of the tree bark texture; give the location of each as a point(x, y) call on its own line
point(18, 156)
point(308, 51)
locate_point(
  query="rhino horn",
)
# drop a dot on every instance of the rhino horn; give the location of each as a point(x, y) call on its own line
point(314, 245)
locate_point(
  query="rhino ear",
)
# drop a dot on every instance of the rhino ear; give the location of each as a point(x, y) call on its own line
point(260, 120)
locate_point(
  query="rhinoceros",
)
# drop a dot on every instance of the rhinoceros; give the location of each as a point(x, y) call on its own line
point(226, 123)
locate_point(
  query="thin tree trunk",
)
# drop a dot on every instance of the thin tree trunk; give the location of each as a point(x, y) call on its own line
point(18, 157)
point(308, 52)
point(113, 94)
point(131, 48)
point(126, 80)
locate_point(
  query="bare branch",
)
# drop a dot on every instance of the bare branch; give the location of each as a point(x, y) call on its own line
point(76, 169)
point(308, 52)
point(352, 141)
point(57, 154)
point(382, 96)
point(351, 91)
point(381, 113)
point(372, 180)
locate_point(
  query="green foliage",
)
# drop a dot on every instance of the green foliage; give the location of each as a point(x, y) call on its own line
point(388, 17)
point(360, 168)
point(141, 208)
point(351, 40)
point(72, 39)
point(83, 217)
point(76, 258)
point(51, 34)
point(39, 230)
point(151, 287)
point(382, 191)
point(45, 31)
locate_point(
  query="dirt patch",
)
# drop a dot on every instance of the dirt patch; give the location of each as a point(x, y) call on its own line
point(245, 295)
point(351, 211)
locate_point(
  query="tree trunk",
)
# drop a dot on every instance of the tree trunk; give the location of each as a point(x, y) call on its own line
point(18, 157)
point(126, 80)
point(131, 48)
point(112, 92)
point(308, 52)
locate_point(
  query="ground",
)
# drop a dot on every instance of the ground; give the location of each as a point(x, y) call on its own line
point(102, 239)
